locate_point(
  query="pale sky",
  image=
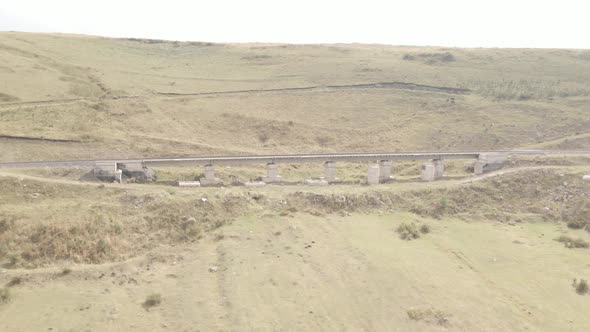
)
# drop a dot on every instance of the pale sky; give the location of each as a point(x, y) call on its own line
point(461, 23)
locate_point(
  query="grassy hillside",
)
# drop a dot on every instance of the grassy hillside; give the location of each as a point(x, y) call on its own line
point(512, 244)
point(309, 258)
point(65, 96)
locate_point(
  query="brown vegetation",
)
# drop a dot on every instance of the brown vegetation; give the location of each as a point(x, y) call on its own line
point(152, 301)
point(581, 286)
point(502, 199)
point(571, 242)
point(429, 315)
point(408, 231)
point(127, 223)
point(425, 229)
point(578, 216)
point(430, 58)
point(14, 282)
point(105, 232)
point(64, 272)
point(4, 295)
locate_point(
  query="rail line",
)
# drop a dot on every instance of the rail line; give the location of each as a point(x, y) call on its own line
point(285, 158)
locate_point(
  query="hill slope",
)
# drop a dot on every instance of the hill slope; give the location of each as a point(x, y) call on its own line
point(67, 97)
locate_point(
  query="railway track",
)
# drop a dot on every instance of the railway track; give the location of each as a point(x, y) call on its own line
point(286, 158)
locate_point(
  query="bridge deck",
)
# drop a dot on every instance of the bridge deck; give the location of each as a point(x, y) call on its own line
point(309, 158)
point(289, 158)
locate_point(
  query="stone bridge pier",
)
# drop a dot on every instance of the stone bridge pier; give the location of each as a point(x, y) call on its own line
point(433, 170)
point(379, 172)
point(209, 178)
point(373, 174)
point(385, 171)
point(330, 172)
point(272, 173)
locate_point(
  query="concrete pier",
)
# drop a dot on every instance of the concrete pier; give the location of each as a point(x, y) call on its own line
point(373, 174)
point(330, 172)
point(209, 179)
point(439, 168)
point(272, 173)
point(489, 162)
point(428, 171)
point(384, 171)
point(381, 163)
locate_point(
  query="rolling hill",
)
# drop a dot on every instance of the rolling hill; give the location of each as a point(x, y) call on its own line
point(72, 96)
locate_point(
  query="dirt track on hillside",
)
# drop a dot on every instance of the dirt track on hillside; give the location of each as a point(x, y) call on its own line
point(381, 85)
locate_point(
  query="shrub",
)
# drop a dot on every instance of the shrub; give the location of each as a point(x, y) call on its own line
point(14, 282)
point(429, 315)
point(581, 286)
point(571, 242)
point(4, 295)
point(6, 223)
point(12, 261)
point(65, 272)
point(430, 58)
point(578, 216)
point(263, 137)
point(152, 301)
point(424, 229)
point(527, 89)
point(440, 208)
point(446, 57)
point(408, 231)
point(577, 224)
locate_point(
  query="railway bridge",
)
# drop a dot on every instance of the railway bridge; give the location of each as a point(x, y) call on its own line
point(379, 168)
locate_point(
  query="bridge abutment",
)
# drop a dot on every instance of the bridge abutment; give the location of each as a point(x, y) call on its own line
point(489, 162)
point(105, 170)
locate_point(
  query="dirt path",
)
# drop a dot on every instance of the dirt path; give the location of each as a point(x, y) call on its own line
point(556, 141)
point(506, 171)
point(70, 182)
point(383, 85)
point(390, 85)
point(152, 187)
point(30, 138)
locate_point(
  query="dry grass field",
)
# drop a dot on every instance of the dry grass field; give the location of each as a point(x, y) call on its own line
point(506, 251)
point(101, 97)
